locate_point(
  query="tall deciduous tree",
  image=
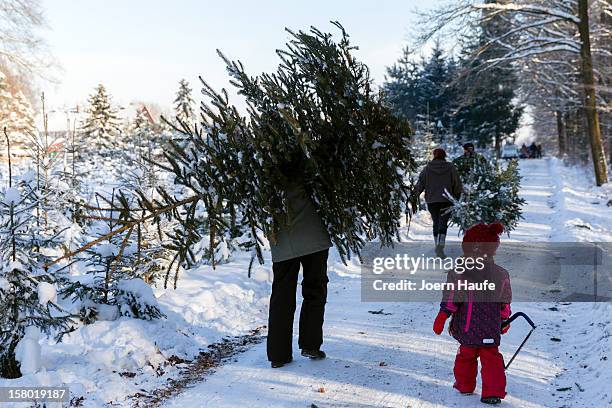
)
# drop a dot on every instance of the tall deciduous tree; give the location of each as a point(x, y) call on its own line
point(20, 43)
point(590, 104)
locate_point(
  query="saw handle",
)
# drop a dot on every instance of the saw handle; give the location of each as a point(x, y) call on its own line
point(517, 315)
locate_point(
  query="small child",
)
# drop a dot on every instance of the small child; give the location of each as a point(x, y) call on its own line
point(477, 315)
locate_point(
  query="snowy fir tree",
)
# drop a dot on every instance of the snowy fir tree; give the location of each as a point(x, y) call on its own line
point(183, 103)
point(465, 99)
point(424, 89)
point(487, 113)
point(72, 173)
point(490, 194)
point(101, 125)
point(317, 114)
point(436, 90)
point(6, 108)
point(22, 117)
point(16, 113)
point(45, 154)
point(112, 285)
point(423, 144)
point(141, 135)
point(401, 86)
point(27, 289)
point(152, 258)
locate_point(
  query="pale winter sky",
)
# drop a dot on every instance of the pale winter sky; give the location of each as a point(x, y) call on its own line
point(140, 49)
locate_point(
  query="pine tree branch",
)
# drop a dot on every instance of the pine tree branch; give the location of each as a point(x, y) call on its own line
point(127, 226)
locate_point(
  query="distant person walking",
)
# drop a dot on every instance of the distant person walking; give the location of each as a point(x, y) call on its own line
point(438, 178)
point(533, 150)
point(469, 160)
point(539, 151)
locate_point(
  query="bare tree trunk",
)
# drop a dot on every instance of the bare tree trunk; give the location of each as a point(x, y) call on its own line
point(12, 206)
point(8, 153)
point(561, 133)
point(566, 123)
point(590, 108)
point(498, 147)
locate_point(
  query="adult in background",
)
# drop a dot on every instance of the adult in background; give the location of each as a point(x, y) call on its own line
point(470, 158)
point(302, 240)
point(438, 178)
point(533, 151)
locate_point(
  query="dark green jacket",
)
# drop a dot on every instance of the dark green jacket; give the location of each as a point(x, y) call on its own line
point(466, 164)
point(302, 232)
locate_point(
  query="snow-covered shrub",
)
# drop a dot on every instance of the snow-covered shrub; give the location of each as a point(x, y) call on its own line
point(28, 351)
point(136, 299)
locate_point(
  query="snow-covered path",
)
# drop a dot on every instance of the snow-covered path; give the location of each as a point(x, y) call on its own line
point(395, 360)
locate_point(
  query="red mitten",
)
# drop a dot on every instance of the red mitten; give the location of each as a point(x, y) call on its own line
point(438, 325)
point(505, 311)
point(505, 329)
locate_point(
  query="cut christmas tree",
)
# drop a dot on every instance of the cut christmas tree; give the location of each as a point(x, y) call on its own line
point(490, 194)
point(317, 117)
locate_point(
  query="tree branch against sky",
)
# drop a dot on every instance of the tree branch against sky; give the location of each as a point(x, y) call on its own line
point(22, 49)
point(537, 29)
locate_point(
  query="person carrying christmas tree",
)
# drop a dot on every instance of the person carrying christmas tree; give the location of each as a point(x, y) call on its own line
point(301, 240)
point(470, 158)
point(438, 179)
point(477, 315)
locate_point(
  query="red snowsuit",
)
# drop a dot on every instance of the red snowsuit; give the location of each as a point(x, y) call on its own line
point(492, 370)
point(476, 325)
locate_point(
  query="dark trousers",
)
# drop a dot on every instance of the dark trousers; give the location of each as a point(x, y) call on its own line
point(439, 216)
point(282, 304)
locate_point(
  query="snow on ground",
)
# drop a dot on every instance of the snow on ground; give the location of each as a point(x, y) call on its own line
point(107, 361)
point(375, 360)
point(395, 360)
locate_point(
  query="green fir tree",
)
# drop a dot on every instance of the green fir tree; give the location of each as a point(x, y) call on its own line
point(490, 194)
point(102, 122)
point(25, 285)
point(183, 104)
